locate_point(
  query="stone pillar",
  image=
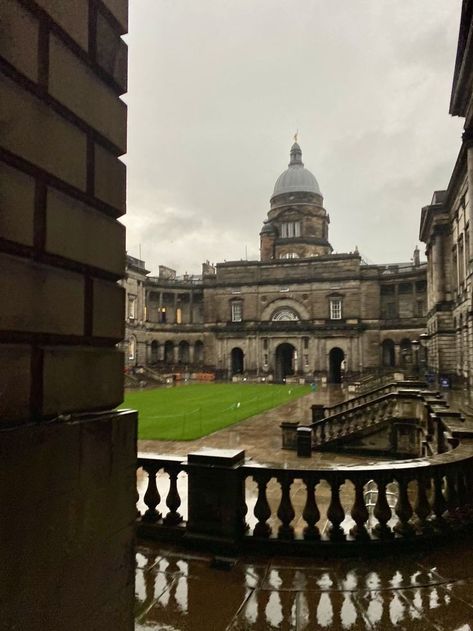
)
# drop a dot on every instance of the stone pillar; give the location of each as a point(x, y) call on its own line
point(175, 353)
point(216, 495)
point(397, 355)
point(62, 251)
point(191, 307)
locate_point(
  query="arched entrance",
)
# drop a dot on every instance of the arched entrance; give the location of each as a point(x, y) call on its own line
point(169, 352)
point(199, 352)
point(388, 354)
point(154, 351)
point(238, 361)
point(285, 361)
point(183, 352)
point(335, 359)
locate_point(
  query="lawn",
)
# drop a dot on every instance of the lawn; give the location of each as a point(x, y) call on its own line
point(191, 411)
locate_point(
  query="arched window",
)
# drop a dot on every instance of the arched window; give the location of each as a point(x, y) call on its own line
point(285, 314)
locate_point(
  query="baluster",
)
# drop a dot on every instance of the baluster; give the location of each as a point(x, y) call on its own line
point(403, 509)
point(137, 497)
point(285, 511)
point(439, 505)
point(262, 509)
point(422, 507)
point(382, 512)
point(335, 512)
point(173, 499)
point(311, 513)
point(359, 512)
point(151, 497)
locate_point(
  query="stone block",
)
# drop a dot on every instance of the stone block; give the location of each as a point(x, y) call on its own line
point(112, 52)
point(109, 307)
point(17, 195)
point(110, 179)
point(47, 299)
point(72, 17)
point(33, 131)
point(81, 233)
point(15, 381)
point(72, 83)
point(19, 38)
point(81, 378)
point(119, 10)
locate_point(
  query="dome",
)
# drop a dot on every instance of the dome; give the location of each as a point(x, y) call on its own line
point(296, 179)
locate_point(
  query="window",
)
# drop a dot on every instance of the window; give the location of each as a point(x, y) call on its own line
point(335, 308)
point(290, 229)
point(178, 315)
point(237, 311)
point(289, 255)
point(131, 307)
point(285, 314)
point(162, 315)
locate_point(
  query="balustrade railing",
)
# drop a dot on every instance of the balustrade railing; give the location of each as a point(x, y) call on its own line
point(346, 504)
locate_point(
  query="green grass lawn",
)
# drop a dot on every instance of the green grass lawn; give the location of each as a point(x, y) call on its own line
point(191, 411)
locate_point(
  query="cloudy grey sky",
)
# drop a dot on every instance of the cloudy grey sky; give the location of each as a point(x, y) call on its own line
point(218, 87)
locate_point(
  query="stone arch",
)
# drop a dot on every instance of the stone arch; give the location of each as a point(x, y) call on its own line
point(388, 356)
point(199, 352)
point(336, 357)
point(286, 357)
point(154, 352)
point(183, 352)
point(169, 352)
point(285, 314)
point(237, 357)
point(284, 303)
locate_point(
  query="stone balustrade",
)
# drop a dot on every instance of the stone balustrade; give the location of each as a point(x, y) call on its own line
point(231, 504)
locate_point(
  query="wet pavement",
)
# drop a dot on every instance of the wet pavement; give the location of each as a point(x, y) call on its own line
point(176, 591)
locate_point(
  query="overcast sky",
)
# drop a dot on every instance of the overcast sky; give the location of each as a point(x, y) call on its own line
point(217, 89)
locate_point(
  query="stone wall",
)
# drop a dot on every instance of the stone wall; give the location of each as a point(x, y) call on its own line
point(66, 488)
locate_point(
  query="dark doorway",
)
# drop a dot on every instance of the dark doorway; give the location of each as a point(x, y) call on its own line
point(336, 357)
point(169, 352)
point(183, 352)
point(388, 354)
point(285, 356)
point(154, 351)
point(238, 361)
point(199, 352)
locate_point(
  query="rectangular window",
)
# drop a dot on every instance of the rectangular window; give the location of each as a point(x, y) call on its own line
point(335, 309)
point(237, 311)
point(178, 315)
point(290, 229)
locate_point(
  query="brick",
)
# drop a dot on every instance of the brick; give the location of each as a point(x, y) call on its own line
point(79, 89)
point(33, 131)
point(15, 382)
point(119, 9)
point(78, 378)
point(109, 306)
point(17, 194)
point(71, 16)
point(46, 299)
point(112, 52)
point(81, 233)
point(110, 179)
point(19, 38)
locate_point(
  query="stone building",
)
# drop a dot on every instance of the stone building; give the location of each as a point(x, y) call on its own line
point(300, 311)
point(445, 228)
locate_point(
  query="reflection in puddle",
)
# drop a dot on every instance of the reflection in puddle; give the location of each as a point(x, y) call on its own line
point(325, 611)
point(348, 614)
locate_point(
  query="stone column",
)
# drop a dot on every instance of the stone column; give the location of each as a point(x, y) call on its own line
point(397, 355)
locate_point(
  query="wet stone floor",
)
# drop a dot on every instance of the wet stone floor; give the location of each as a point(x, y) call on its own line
point(177, 591)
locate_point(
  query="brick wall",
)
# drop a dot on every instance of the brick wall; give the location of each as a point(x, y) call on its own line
point(63, 68)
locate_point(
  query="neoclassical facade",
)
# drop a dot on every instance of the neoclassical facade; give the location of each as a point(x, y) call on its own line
point(446, 230)
point(300, 311)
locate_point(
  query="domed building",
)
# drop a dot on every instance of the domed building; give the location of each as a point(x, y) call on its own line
point(300, 312)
